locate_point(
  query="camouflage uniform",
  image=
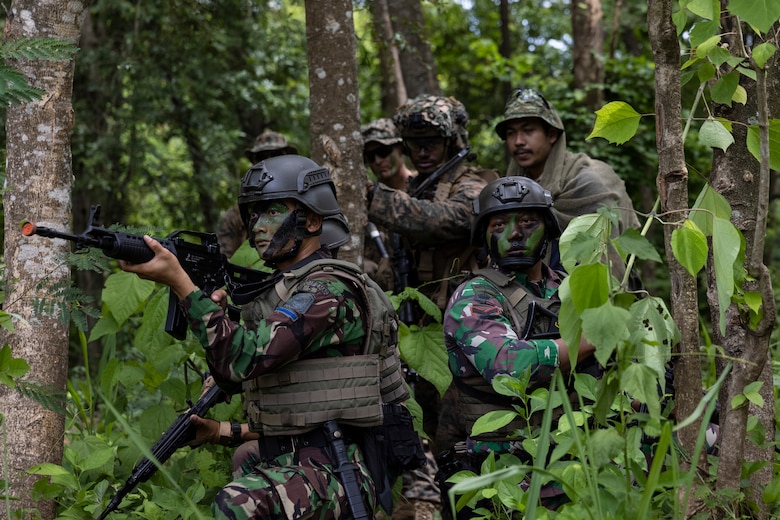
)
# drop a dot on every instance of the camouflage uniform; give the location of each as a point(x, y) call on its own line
point(301, 483)
point(230, 229)
point(434, 225)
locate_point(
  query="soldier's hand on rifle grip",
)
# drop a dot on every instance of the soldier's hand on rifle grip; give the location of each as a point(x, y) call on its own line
point(220, 297)
point(207, 430)
point(163, 268)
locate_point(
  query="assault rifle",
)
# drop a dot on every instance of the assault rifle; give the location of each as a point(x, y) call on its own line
point(198, 253)
point(176, 436)
point(402, 257)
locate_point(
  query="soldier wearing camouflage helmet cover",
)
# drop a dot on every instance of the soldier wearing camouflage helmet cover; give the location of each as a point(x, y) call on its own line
point(230, 228)
point(536, 139)
point(433, 225)
point(315, 320)
point(486, 323)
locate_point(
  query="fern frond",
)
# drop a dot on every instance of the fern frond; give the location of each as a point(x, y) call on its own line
point(14, 88)
point(48, 49)
point(47, 396)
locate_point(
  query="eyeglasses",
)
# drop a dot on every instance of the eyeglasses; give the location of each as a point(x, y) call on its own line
point(430, 144)
point(529, 95)
point(383, 151)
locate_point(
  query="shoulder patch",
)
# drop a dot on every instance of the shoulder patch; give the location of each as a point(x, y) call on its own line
point(298, 304)
point(313, 286)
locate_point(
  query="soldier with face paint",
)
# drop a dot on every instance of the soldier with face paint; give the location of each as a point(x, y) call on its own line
point(504, 319)
point(303, 355)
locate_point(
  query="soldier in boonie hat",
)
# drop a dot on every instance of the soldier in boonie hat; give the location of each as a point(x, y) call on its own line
point(528, 102)
point(269, 144)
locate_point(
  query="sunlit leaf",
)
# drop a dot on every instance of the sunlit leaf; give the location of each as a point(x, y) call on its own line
point(703, 31)
point(632, 242)
point(589, 286)
point(711, 203)
point(709, 9)
point(761, 14)
point(763, 52)
point(423, 350)
point(689, 246)
point(493, 421)
point(617, 122)
point(654, 333)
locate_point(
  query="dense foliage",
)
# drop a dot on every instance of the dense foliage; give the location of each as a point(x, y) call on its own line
point(167, 98)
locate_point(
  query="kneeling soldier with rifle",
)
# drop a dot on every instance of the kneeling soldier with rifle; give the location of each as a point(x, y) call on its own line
point(316, 356)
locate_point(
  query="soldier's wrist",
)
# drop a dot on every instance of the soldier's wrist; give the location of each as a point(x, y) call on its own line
point(229, 433)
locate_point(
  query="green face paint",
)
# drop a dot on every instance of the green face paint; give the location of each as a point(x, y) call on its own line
point(273, 228)
point(519, 234)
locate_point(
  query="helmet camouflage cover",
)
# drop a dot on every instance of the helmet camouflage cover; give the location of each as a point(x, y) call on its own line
point(427, 116)
point(528, 102)
point(381, 131)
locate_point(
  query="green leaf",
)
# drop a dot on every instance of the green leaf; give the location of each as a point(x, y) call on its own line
point(703, 31)
point(606, 327)
point(709, 9)
point(726, 240)
point(493, 421)
point(105, 326)
point(58, 475)
point(738, 400)
point(763, 52)
point(632, 242)
point(654, 333)
point(589, 286)
point(605, 445)
point(753, 301)
point(710, 202)
point(713, 134)
point(754, 143)
point(423, 350)
point(753, 387)
point(124, 294)
point(689, 246)
point(617, 122)
point(10, 366)
point(761, 14)
point(707, 46)
point(723, 90)
point(583, 240)
point(151, 334)
point(640, 381)
point(569, 320)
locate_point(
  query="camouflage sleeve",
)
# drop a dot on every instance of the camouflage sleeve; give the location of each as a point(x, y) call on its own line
point(480, 339)
point(428, 220)
point(321, 316)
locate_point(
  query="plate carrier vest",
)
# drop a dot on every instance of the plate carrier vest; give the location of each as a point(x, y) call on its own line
point(306, 393)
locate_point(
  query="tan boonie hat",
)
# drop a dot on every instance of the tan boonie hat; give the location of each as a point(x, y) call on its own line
point(271, 141)
point(381, 131)
point(528, 102)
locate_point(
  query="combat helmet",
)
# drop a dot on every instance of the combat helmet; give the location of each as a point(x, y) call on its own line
point(382, 131)
point(508, 194)
point(528, 102)
point(433, 116)
point(269, 144)
point(335, 232)
point(288, 177)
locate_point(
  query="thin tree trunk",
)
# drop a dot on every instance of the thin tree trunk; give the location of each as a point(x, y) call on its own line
point(588, 54)
point(393, 86)
point(417, 61)
point(39, 181)
point(335, 111)
point(672, 184)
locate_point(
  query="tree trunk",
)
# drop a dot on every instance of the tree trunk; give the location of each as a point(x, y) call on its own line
point(393, 86)
point(335, 111)
point(587, 50)
point(672, 184)
point(419, 67)
point(744, 182)
point(39, 182)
